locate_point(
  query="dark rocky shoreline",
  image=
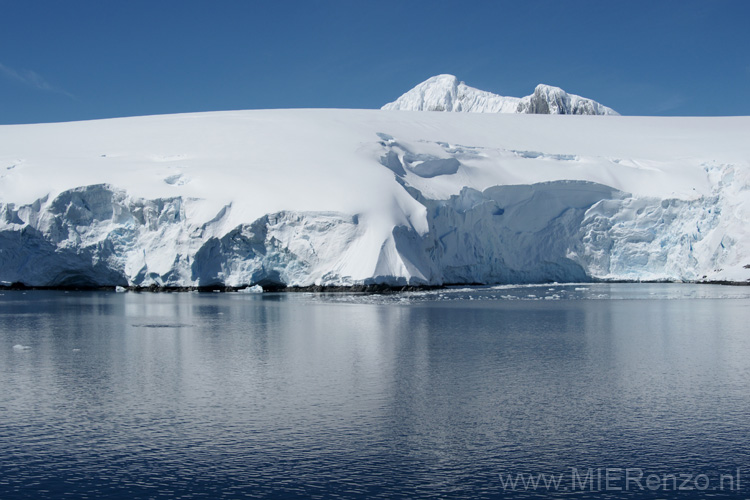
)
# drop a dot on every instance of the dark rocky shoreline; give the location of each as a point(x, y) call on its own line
point(370, 288)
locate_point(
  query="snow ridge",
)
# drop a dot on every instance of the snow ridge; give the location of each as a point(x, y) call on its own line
point(447, 93)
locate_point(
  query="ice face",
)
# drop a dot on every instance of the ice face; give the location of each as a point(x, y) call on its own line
point(359, 197)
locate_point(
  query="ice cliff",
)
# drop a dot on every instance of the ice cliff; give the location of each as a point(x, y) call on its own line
point(447, 93)
point(346, 197)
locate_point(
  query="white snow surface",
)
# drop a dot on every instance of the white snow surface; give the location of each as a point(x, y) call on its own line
point(447, 93)
point(346, 197)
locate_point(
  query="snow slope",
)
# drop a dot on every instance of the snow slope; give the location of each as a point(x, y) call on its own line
point(344, 197)
point(446, 93)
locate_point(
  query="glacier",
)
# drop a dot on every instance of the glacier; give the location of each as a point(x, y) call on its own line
point(343, 198)
point(447, 93)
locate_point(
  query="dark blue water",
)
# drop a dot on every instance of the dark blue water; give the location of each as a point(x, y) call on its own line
point(446, 394)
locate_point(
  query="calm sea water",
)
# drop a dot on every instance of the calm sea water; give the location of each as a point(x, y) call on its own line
point(444, 394)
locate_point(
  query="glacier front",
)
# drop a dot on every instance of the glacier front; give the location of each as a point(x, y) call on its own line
point(357, 197)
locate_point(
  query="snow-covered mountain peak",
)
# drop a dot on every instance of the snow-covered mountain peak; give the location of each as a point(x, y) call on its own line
point(449, 82)
point(447, 93)
point(547, 99)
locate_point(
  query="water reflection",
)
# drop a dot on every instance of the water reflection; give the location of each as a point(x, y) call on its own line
point(283, 395)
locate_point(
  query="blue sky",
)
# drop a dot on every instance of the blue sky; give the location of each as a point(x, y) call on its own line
point(73, 60)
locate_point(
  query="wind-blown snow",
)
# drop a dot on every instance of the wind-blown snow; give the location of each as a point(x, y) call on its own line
point(345, 197)
point(447, 93)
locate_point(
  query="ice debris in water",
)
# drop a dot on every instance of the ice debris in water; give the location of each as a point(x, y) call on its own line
point(20, 347)
point(251, 289)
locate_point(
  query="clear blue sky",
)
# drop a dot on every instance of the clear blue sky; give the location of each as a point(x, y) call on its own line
point(78, 59)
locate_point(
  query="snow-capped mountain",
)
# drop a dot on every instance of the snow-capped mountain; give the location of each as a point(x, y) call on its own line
point(447, 93)
point(548, 100)
point(346, 197)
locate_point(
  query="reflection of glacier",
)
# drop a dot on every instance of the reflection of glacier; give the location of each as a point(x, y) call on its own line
point(449, 213)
